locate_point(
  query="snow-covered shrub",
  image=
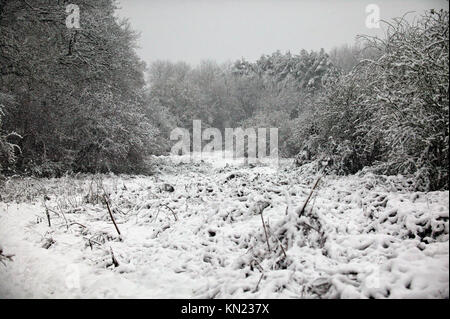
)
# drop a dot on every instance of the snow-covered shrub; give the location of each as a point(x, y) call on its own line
point(7, 148)
point(411, 90)
point(112, 135)
point(391, 113)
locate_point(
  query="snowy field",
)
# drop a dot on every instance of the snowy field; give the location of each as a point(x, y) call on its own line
point(195, 230)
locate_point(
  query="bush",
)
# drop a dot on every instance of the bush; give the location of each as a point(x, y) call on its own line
point(391, 113)
point(7, 148)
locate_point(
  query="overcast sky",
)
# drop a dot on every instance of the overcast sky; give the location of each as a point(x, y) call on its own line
point(226, 30)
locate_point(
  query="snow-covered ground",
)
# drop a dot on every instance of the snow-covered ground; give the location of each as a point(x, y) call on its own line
point(359, 237)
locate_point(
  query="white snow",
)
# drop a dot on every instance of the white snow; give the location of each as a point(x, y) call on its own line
point(360, 236)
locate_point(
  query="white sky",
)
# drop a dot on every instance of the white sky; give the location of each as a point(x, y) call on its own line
point(226, 30)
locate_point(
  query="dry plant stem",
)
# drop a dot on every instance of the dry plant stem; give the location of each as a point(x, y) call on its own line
point(48, 217)
point(265, 231)
point(259, 281)
point(308, 225)
point(257, 265)
point(62, 213)
point(282, 248)
point(156, 217)
point(302, 210)
point(114, 260)
point(75, 223)
point(111, 215)
point(174, 215)
point(90, 240)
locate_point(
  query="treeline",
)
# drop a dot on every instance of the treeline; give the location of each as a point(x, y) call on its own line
point(275, 91)
point(381, 104)
point(389, 113)
point(74, 98)
point(81, 100)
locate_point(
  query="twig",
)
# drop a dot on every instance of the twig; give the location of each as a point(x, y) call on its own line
point(174, 215)
point(258, 265)
point(302, 210)
point(93, 241)
point(75, 223)
point(281, 246)
point(308, 225)
point(62, 213)
point(111, 215)
point(259, 281)
point(265, 231)
point(48, 217)
point(156, 217)
point(65, 219)
point(114, 260)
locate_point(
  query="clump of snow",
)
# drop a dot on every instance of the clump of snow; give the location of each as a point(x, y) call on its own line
point(361, 236)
